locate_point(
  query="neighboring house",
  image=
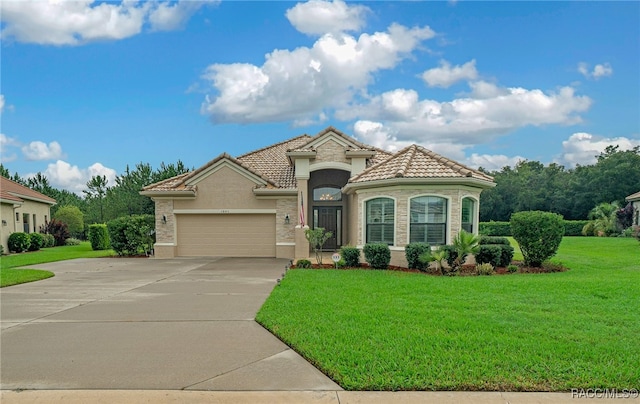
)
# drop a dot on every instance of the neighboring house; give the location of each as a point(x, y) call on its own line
point(21, 209)
point(635, 203)
point(258, 204)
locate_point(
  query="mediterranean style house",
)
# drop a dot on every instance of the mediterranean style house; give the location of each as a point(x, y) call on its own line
point(259, 204)
point(21, 209)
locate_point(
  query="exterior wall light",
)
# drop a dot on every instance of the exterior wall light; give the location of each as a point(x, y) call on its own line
point(286, 219)
point(164, 219)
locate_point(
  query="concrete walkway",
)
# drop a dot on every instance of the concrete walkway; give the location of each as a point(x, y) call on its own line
point(172, 331)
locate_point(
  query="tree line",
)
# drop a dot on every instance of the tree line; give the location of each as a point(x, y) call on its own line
point(529, 185)
point(102, 202)
point(572, 193)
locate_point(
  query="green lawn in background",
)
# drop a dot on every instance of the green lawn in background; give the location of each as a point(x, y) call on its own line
point(387, 330)
point(10, 274)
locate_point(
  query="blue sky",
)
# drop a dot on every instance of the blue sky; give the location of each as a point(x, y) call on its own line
point(88, 87)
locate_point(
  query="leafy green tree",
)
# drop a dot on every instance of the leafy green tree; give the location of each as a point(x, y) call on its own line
point(73, 218)
point(95, 195)
point(317, 237)
point(538, 233)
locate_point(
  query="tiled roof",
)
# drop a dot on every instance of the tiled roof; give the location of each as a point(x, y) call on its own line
point(417, 162)
point(272, 161)
point(170, 184)
point(11, 190)
point(633, 196)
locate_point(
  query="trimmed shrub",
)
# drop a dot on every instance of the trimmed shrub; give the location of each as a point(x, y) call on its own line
point(132, 235)
point(484, 269)
point(99, 236)
point(37, 241)
point(413, 252)
point(351, 256)
point(574, 227)
point(303, 264)
point(378, 255)
point(1, 249)
point(18, 242)
point(58, 230)
point(484, 240)
point(451, 254)
point(512, 268)
point(489, 254)
point(507, 255)
point(539, 235)
point(72, 241)
point(49, 241)
point(494, 228)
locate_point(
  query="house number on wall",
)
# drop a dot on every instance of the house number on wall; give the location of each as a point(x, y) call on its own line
point(224, 211)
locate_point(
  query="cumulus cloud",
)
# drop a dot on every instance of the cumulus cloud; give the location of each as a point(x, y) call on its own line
point(599, 70)
point(583, 148)
point(41, 151)
point(1, 103)
point(301, 84)
point(492, 162)
point(73, 178)
point(318, 17)
point(446, 75)
point(7, 143)
point(55, 22)
point(489, 111)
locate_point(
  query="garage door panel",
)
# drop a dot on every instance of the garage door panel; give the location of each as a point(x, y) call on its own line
point(226, 235)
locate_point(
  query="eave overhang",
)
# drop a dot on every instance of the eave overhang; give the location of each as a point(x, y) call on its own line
point(469, 181)
point(262, 193)
point(183, 194)
point(360, 153)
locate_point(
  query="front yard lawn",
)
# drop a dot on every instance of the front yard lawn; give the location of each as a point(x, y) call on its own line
point(9, 264)
point(388, 330)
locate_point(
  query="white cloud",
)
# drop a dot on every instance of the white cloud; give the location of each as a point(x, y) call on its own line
point(56, 22)
point(74, 179)
point(6, 143)
point(599, 70)
point(583, 148)
point(318, 17)
point(446, 75)
point(41, 151)
point(301, 84)
point(1, 103)
point(492, 162)
point(479, 118)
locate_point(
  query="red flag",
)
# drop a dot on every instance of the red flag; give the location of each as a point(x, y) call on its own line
point(301, 211)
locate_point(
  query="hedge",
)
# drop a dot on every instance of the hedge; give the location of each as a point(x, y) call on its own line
point(571, 228)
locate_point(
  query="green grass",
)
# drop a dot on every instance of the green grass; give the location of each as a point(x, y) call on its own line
point(385, 330)
point(10, 274)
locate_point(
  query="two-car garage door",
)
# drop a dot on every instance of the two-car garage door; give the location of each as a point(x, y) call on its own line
point(229, 235)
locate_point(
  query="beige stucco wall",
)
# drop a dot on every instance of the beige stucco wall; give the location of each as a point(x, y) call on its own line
point(8, 214)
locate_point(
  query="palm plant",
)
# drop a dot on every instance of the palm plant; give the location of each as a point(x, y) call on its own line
point(603, 220)
point(464, 244)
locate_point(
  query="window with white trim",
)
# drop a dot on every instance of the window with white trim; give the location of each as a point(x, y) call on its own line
point(380, 220)
point(468, 214)
point(428, 220)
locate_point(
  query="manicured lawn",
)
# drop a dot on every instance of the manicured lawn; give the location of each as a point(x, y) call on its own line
point(384, 330)
point(10, 274)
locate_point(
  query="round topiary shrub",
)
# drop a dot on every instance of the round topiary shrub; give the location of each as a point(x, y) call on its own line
point(303, 264)
point(37, 241)
point(413, 252)
point(378, 255)
point(49, 241)
point(351, 256)
point(539, 235)
point(18, 242)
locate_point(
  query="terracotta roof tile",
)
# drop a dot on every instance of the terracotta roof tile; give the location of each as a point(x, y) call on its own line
point(12, 188)
point(417, 162)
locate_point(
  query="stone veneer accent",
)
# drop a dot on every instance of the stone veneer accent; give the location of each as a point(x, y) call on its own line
point(285, 232)
point(402, 197)
point(165, 232)
point(331, 151)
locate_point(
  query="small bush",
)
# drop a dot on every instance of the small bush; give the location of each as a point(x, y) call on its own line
point(19, 242)
point(351, 256)
point(72, 241)
point(574, 227)
point(37, 241)
point(451, 254)
point(485, 240)
point(58, 230)
point(551, 266)
point(494, 228)
point(132, 235)
point(49, 241)
point(512, 268)
point(303, 264)
point(489, 254)
point(378, 255)
point(539, 235)
point(484, 269)
point(99, 236)
point(506, 256)
point(413, 252)
point(1, 249)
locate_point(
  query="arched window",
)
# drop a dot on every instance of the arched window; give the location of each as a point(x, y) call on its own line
point(326, 194)
point(428, 220)
point(468, 214)
point(380, 220)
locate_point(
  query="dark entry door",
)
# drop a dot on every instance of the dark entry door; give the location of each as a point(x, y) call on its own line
point(330, 219)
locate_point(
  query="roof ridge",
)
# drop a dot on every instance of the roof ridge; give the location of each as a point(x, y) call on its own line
point(273, 145)
point(463, 169)
point(409, 155)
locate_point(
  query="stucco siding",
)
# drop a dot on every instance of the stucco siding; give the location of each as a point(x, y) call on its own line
point(30, 208)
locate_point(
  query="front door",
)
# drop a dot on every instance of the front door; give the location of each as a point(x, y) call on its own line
point(330, 219)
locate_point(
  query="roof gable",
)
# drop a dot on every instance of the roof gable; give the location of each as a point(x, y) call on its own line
point(331, 133)
point(13, 191)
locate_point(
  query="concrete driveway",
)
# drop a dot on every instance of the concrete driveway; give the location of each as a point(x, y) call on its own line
point(135, 323)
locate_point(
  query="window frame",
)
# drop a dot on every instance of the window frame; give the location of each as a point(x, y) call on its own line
point(444, 225)
point(384, 225)
point(474, 214)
